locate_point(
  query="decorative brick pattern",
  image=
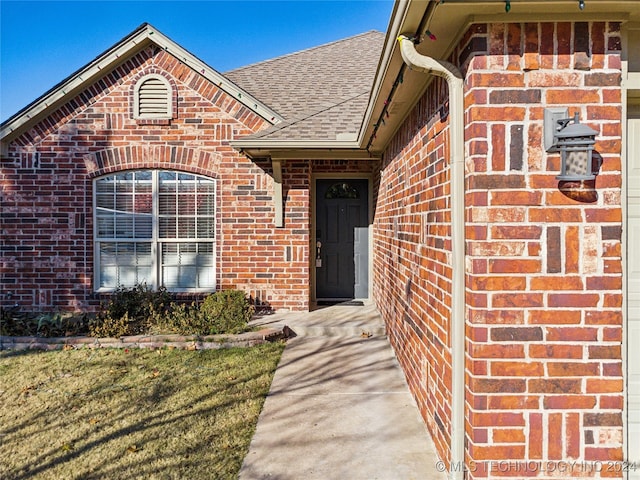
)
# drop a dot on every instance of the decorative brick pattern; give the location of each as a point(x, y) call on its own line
point(566, 367)
point(543, 266)
point(47, 218)
point(412, 271)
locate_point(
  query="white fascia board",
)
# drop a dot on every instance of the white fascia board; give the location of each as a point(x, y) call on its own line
point(297, 144)
point(305, 151)
point(95, 69)
point(74, 83)
point(297, 148)
point(396, 24)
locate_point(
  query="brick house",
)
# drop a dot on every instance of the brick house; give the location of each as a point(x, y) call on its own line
point(410, 169)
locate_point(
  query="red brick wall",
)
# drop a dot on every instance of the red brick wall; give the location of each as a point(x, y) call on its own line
point(412, 266)
point(544, 258)
point(47, 247)
point(543, 268)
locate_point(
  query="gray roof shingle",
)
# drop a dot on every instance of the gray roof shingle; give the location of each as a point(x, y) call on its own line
point(321, 92)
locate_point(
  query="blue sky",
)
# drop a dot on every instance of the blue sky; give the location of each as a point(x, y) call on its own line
point(43, 42)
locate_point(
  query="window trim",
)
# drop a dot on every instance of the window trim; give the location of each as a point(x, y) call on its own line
point(155, 280)
point(136, 99)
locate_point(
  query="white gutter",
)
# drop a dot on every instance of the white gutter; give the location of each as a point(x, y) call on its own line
point(300, 144)
point(398, 15)
point(452, 75)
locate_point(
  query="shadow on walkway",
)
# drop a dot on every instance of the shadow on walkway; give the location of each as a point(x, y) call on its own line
point(339, 406)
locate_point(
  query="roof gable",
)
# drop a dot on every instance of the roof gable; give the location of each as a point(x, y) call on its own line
point(141, 38)
point(314, 79)
point(322, 92)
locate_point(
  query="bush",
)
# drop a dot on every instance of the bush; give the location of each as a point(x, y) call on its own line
point(139, 310)
point(107, 326)
point(129, 311)
point(179, 318)
point(61, 324)
point(228, 311)
point(16, 323)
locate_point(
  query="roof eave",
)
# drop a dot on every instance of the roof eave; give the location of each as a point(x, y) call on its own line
point(449, 21)
point(406, 15)
point(303, 149)
point(144, 36)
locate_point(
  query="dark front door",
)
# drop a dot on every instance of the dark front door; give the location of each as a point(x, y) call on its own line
point(342, 239)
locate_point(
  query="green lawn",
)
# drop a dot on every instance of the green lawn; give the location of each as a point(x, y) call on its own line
point(114, 414)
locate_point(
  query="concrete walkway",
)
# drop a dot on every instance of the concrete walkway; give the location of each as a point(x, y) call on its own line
point(339, 407)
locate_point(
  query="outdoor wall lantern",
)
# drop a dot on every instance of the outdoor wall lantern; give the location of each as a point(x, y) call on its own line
point(574, 141)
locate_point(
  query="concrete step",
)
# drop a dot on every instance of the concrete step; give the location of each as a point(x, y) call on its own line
point(333, 321)
point(364, 331)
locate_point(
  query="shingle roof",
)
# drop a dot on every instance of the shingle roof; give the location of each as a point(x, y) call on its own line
point(321, 92)
point(140, 38)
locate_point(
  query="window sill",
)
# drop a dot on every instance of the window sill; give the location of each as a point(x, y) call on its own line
point(183, 291)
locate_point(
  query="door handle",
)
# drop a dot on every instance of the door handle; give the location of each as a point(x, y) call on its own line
point(318, 254)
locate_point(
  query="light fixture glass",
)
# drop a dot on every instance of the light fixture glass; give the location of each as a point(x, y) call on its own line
point(575, 142)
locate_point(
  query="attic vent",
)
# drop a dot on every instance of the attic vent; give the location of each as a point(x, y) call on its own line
point(152, 98)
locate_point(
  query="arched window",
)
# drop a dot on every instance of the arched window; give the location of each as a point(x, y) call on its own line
point(156, 227)
point(152, 98)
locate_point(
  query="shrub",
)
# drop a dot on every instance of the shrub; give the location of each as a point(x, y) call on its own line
point(179, 318)
point(15, 322)
point(139, 310)
point(227, 311)
point(129, 311)
point(107, 326)
point(61, 324)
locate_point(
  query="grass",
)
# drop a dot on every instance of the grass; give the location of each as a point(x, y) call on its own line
point(131, 413)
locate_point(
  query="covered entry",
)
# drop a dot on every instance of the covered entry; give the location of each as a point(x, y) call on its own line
point(341, 259)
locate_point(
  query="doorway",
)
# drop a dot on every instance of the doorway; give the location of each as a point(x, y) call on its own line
point(341, 260)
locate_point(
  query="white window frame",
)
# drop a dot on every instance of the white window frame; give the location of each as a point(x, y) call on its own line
point(136, 98)
point(155, 278)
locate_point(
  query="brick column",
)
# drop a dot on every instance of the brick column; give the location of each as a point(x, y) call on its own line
point(544, 264)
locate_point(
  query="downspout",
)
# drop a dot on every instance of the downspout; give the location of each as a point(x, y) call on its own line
point(452, 75)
